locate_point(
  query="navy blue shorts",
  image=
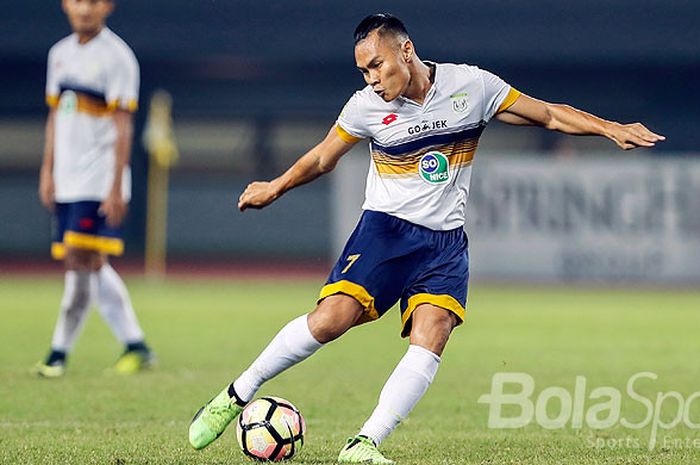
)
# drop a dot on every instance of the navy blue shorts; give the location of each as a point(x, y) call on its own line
point(82, 226)
point(388, 259)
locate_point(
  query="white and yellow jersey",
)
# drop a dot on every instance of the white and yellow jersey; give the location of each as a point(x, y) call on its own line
point(86, 83)
point(422, 154)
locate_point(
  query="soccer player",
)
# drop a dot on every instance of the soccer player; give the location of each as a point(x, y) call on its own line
point(92, 90)
point(423, 121)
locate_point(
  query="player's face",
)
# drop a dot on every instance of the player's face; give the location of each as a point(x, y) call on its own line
point(87, 16)
point(384, 64)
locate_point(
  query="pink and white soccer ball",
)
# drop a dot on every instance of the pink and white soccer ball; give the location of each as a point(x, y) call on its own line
point(270, 429)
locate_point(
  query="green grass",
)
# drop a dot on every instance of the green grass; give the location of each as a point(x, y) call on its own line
point(205, 332)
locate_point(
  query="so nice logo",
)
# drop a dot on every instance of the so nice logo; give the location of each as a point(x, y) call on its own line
point(434, 168)
point(68, 103)
point(556, 407)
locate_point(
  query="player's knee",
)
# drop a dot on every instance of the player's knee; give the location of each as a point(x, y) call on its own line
point(333, 317)
point(82, 260)
point(431, 327)
point(323, 327)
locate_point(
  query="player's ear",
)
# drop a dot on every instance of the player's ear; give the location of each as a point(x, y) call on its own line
point(109, 7)
point(407, 51)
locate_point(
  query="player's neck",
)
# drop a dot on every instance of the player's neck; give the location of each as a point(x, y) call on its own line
point(420, 82)
point(85, 37)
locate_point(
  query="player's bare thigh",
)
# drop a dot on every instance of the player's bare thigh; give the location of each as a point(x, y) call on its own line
point(83, 260)
point(333, 316)
point(431, 327)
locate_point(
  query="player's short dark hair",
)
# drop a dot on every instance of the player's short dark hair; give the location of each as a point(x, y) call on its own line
point(381, 22)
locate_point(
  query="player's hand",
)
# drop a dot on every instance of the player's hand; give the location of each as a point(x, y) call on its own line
point(257, 195)
point(114, 208)
point(630, 136)
point(46, 190)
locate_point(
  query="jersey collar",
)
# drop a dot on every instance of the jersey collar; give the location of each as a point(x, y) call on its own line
point(103, 32)
point(431, 91)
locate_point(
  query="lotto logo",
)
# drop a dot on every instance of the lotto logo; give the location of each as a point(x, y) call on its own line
point(390, 118)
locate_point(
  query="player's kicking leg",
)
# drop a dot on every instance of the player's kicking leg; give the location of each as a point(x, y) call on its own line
point(115, 307)
point(409, 381)
point(298, 340)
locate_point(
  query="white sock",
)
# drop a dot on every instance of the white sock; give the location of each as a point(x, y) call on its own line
point(402, 391)
point(115, 307)
point(78, 293)
point(293, 344)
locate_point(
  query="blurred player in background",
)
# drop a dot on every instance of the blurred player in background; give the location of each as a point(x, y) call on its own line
point(423, 121)
point(92, 90)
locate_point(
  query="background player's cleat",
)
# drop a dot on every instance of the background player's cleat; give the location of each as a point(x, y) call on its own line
point(133, 361)
point(212, 419)
point(361, 449)
point(53, 370)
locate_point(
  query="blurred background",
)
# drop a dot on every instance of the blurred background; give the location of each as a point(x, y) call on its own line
point(255, 84)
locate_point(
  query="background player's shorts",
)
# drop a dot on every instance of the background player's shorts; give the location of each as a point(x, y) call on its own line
point(388, 259)
point(80, 225)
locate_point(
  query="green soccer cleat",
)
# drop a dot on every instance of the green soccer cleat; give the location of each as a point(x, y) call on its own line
point(361, 449)
point(133, 361)
point(212, 419)
point(53, 370)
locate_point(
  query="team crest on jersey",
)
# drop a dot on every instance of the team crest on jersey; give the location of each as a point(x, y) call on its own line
point(68, 102)
point(460, 104)
point(434, 168)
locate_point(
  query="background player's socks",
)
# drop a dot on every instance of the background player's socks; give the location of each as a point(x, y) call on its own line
point(115, 306)
point(139, 346)
point(80, 289)
point(55, 357)
point(402, 391)
point(291, 345)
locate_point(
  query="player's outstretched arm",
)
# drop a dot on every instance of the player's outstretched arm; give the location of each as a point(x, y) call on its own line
point(569, 120)
point(319, 160)
point(46, 184)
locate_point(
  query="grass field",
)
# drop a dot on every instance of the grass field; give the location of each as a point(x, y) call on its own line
point(205, 332)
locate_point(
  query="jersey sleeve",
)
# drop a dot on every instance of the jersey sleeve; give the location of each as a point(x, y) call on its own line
point(498, 95)
point(350, 125)
point(53, 88)
point(123, 86)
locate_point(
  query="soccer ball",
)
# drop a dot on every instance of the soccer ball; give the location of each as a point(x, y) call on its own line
point(270, 429)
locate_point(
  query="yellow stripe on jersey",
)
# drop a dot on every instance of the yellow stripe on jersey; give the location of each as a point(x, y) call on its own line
point(462, 158)
point(414, 156)
point(458, 154)
point(52, 100)
point(91, 105)
point(510, 99)
point(95, 106)
point(346, 136)
point(129, 105)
